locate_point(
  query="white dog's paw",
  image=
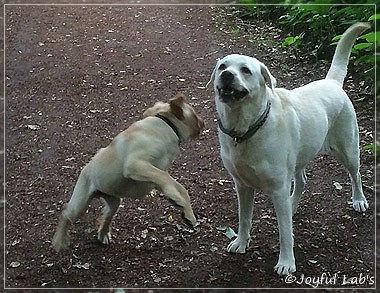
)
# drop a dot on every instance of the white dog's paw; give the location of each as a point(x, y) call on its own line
point(104, 237)
point(360, 205)
point(284, 268)
point(238, 245)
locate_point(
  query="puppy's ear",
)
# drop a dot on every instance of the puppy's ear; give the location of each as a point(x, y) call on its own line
point(158, 107)
point(268, 77)
point(176, 105)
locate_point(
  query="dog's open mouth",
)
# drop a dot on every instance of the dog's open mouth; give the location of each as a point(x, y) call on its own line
point(229, 94)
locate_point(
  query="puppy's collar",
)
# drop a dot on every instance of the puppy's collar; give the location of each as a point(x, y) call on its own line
point(170, 124)
point(251, 130)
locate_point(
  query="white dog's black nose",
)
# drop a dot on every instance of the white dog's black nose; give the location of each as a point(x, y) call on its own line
point(227, 77)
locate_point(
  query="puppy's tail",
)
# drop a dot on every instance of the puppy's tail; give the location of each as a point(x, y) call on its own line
point(338, 68)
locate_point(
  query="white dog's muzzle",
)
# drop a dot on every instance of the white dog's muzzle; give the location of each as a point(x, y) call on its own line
point(227, 89)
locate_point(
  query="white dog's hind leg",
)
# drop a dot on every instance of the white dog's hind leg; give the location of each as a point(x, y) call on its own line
point(245, 203)
point(351, 162)
point(111, 205)
point(283, 206)
point(359, 201)
point(345, 146)
point(299, 185)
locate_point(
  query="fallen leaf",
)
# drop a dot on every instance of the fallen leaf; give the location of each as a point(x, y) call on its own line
point(15, 264)
point(213, 248)
point(95, 111)
point(153, 193)
point(168, 238)
point(144, 233)
point(33, 127)
point(85, 266)
point(15, 242)
point(337, 185)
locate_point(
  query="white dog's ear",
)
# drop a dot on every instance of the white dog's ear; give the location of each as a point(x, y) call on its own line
point(268, 77)
point(211, 78)
point(176, 105)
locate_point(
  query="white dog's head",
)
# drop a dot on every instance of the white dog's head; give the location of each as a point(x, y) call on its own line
point(238, 76)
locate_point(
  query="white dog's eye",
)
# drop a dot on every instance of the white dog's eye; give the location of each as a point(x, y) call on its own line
point(222, 66)
point(245, 70)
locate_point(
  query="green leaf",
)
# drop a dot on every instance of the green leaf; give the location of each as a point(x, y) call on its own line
point(374, 17)
point(372, 147)
point(365, 59)
point(230, 233)
point(338, 37)
point(362, 46)
point(370, 37)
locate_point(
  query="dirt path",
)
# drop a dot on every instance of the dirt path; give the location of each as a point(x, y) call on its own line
point(75, 77)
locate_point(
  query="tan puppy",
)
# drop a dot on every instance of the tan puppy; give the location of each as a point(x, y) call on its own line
point(268, 135)
point(132, 165)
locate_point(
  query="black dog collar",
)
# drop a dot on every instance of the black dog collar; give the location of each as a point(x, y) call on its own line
point(169, 123)
point(251, 130)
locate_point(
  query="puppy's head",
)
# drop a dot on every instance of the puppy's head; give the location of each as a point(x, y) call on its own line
point(183, 116)
point(238, 76)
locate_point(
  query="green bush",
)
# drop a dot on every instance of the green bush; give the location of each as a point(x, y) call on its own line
point(315, 29)
point(311, 28)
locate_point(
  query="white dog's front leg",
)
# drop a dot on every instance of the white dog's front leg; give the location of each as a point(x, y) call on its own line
point(283, 206)
point(245, 201)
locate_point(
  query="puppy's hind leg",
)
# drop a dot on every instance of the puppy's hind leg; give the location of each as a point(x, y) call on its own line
point(111, 205)
point(78, 204)
point(299, 185)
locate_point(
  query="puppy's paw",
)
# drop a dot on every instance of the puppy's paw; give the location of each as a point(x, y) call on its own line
point(238, 245)
point(104, 237)
point(360, 205)
point(284, 268)
point(61, 242)
point(190, 220)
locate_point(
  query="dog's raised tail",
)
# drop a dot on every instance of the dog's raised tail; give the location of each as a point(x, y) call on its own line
point(338, 68)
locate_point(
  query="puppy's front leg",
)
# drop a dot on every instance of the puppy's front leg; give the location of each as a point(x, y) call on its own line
point(144, 171)
point(283, 206)
point(245, 202)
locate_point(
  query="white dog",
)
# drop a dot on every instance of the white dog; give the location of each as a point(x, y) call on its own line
point(268, 135)
point(134, 163)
